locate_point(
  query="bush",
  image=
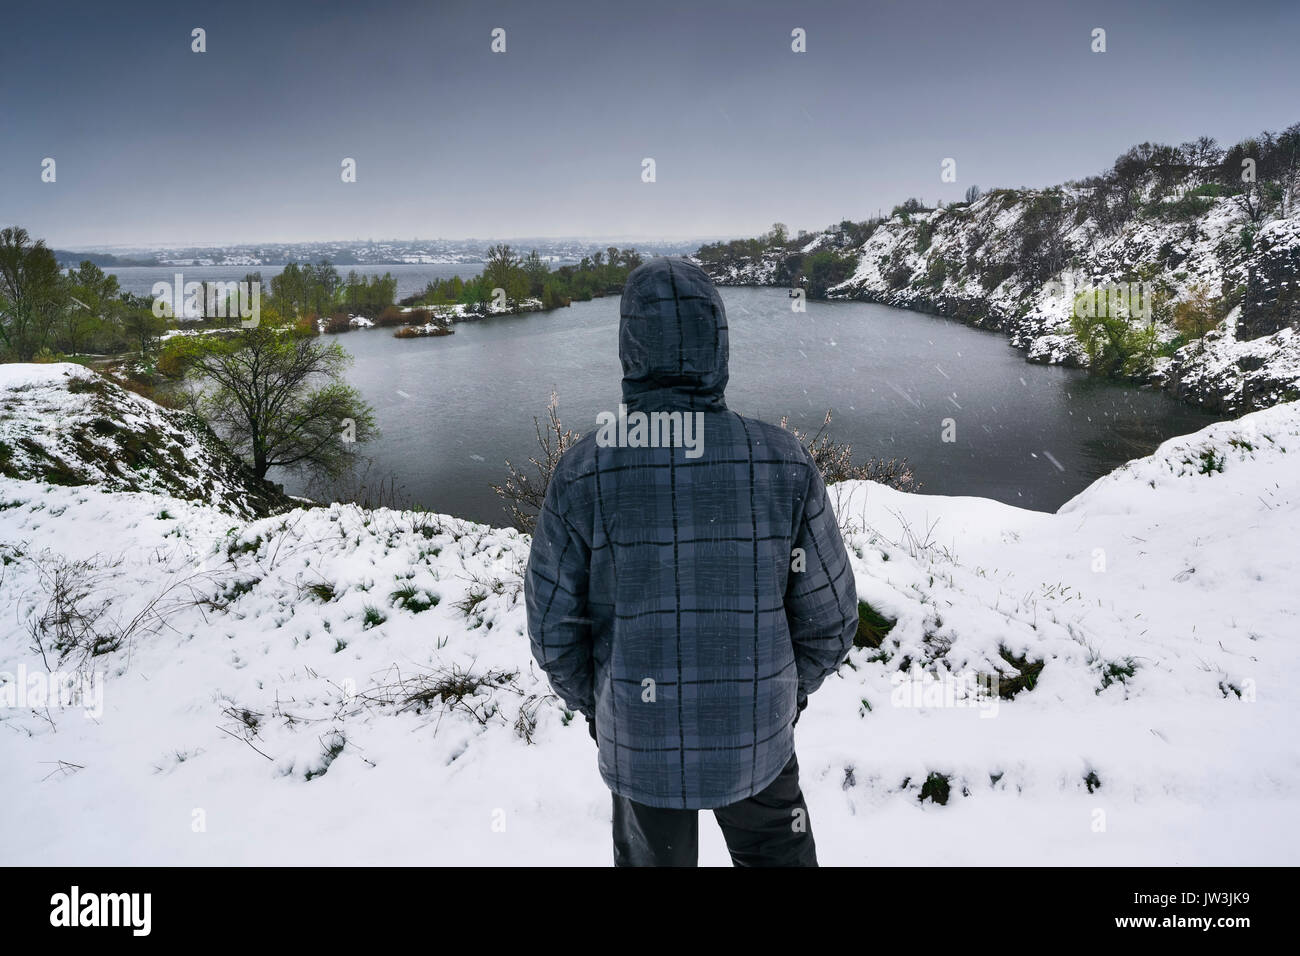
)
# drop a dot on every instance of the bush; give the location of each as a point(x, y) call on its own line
point(826, 268)
point(937, 272)
point(1183, 209)
point(898, 275)
point(339, 322)
point(835, 461)
point(996, 273)
point(909, 206)
point(392, 315)
point(924, 235)
point(1199, 313)
point(1114, 345)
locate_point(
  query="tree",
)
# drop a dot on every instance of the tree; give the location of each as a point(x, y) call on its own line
point(324, 285)
point(92, 301)
point(139, 323)
point(502, 264)
point(973, 193)
point(538, 271)
point(1198, 313)
point(523, 493)
point(33, 293)
point(277, 396)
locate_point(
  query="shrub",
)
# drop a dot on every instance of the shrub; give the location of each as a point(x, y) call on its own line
point(391, 315)
point(924, 235)
point(522, 492)
point(835, 461)
point(996, 273)
point(909, 206)
point(339, 322)
point(1198, 313)
point(937, 271)
point(825, 268)
point(1182, 209)
point(1115, 346)
point(898, 276)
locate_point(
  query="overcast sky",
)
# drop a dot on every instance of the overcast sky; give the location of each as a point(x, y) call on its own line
point(158, 145)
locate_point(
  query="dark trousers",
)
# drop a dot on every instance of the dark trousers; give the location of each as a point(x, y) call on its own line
point(771, 828)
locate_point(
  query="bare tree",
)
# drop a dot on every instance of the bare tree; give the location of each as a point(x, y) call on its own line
point(524, 493)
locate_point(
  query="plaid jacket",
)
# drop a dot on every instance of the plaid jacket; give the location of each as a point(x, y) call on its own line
point(687, 603)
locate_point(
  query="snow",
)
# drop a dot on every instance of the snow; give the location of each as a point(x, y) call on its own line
point(1184, 569)
point(15, 376)
point(66, 419)
point(977, 240)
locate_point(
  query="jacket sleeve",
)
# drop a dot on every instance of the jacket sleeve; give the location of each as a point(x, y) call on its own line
point(821, 602)
point(555, 593)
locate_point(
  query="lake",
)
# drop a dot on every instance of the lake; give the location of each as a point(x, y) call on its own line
point(453, 409)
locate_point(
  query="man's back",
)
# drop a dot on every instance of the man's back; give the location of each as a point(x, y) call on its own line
point(685, 593)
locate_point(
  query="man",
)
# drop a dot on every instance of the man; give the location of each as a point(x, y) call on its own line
point(687, 600)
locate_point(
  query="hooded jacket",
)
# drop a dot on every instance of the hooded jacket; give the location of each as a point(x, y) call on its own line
point(687, 598)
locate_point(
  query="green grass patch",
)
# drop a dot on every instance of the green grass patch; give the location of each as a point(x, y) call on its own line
point(936, 788)
point(323, 592)
point(413, 599)
point(873, 627)
point(1117, 672)
point(1026, 678)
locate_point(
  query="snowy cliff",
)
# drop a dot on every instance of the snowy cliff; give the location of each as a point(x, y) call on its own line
point(1015, 260)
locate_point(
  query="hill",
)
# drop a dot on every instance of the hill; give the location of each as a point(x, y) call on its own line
point(64, 424)
point(1218, 259)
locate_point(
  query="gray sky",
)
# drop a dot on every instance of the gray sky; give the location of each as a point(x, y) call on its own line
point(158, 145)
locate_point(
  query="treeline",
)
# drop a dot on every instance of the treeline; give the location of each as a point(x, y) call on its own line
point(319, 290)
point(1260, 174)
point(828, 264)
point(530, 277)
point(45, 312)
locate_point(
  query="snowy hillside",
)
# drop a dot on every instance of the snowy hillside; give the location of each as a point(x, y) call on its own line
point(1231, 370)
point(67, 425)
point(1013, 261)
point(335, 685)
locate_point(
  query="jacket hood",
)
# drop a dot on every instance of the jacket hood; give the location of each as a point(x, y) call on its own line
point(672, 338)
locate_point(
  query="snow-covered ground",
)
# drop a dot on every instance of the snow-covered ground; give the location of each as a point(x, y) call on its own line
point(272, 698)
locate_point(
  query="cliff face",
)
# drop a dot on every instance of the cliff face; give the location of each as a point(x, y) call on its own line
point(1015, 261)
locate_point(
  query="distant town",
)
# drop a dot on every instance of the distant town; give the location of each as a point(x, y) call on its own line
point(360, 252)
